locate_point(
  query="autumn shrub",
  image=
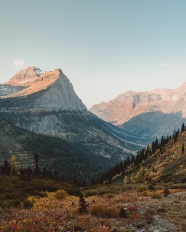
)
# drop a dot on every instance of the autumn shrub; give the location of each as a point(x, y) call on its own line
point(156, 195)
point(82, 205)
point(142, 188)
point(60, 194)
point(104, 211)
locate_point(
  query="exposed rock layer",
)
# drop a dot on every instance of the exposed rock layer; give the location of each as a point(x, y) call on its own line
point(130, 104)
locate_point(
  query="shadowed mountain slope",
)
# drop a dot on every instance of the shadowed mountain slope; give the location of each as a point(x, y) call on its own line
point(45, 103)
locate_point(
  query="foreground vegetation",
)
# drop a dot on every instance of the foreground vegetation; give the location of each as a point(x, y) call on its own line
point(47, 205)
point(14, 192)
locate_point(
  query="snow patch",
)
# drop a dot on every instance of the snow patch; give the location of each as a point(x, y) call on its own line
point(38, 71)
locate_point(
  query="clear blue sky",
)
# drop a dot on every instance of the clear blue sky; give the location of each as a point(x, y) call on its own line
point(105, 47)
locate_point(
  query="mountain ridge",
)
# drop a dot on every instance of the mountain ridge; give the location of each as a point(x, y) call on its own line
point(58, 112)
point(130, 104)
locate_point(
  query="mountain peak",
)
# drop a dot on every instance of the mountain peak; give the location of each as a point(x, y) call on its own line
point(130, 104)
point(31, 75)
point(53, 88)
point(33, 79)
point(182, 87)
point(24, 77)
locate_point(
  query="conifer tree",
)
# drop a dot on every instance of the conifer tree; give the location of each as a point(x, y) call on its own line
point(183, 148)
point(6, 168)
point(183, 128)
point(22, 174)
point(29, 173)
point(82, 204)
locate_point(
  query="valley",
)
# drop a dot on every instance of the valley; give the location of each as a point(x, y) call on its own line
point(62, 168)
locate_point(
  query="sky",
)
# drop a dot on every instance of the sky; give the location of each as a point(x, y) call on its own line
point(104, 47)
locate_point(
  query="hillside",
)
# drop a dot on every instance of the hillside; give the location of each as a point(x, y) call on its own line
point(146, 127)
point(137, 204)
point(54, 153)
point(164, 161)
point(170, 163)
point(47, 104)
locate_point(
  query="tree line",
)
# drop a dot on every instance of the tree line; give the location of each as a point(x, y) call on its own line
point(26, 173)
point(142, 155)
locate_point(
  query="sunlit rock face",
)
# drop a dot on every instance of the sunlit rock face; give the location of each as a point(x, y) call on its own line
point(57, 91)
point(130, 104)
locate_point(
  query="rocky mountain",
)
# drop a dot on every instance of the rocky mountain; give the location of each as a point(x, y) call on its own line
point(45, 102)
point(57, 91)
point(144, 116)
point(145, 127)
point(130, 104)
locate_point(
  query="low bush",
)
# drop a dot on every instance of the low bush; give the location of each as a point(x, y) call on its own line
point(60, 194)
point(104, 211)
point(142, 188)
point(156, 195)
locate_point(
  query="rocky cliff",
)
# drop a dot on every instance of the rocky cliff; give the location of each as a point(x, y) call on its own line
point(130, 104)
point(59, 94)
point(45, 102)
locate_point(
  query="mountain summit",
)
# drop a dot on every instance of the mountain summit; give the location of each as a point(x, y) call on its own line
point(60, 94)
point(146, 115)
point(46, 103)
point(130, 104)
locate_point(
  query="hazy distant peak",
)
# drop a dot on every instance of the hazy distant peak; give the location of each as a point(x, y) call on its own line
point(130, 104)
point(182, 87)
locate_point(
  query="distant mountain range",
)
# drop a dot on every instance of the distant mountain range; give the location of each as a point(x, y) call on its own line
point(145, 115)
point(45, 103)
